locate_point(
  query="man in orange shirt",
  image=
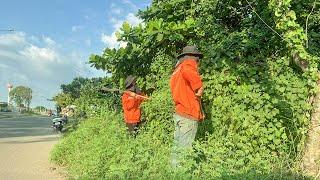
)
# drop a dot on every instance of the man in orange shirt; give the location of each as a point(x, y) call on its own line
point(187, 89)
point(131, 101)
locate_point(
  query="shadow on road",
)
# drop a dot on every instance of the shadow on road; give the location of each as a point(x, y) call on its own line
point(25, 126)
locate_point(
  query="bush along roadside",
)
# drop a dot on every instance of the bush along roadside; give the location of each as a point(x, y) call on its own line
point(256, 96)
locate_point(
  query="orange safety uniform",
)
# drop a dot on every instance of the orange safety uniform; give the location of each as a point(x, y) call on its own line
point(131, 108)
point(184, 83)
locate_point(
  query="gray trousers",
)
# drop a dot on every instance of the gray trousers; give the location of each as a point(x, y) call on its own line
point(184, 134)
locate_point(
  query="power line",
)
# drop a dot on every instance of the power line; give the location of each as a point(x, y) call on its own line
point(264, 21)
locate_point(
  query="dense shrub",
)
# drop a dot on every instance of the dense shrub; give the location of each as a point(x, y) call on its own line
point(243, 135)
point(100, 148)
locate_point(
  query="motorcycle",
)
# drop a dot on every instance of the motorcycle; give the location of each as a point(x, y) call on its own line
point(58, 123)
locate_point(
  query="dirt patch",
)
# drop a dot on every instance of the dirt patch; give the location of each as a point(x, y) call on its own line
point(27, 158)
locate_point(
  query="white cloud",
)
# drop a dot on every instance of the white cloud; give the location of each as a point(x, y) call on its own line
point(3, 66)
point(117, 24)
point(113, 20)
point(40, 54)
point(113, 5)
point(16, 75)
point(76, 28)
point(130, 18)
point(135, 7)
point(111, 39)
point(48, 41)
point(34, 39)
point(116, 11)
point(133, 20)
point(9, 40)
point(42, 67)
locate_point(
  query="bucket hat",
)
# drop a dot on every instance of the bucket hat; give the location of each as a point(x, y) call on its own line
point(129, 81)
point(190, 50)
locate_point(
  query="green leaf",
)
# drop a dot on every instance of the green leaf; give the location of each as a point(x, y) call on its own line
point(159, 37)
point(282, 89)
point(284, 136)
point(126, 27)
point(118, 35)
point(190, 22)
point(277, 13)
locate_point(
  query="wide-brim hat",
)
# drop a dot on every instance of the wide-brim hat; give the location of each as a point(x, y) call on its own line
point(129, 81)
point(190, 50)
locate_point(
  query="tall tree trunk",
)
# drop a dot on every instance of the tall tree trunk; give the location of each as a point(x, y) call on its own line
point(292, 34)
point(310, 160)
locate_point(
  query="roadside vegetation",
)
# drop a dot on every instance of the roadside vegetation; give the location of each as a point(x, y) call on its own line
point(22, 97)
point(259, 87)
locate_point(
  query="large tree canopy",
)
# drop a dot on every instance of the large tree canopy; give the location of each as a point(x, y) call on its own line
point(246, 26)
point(74, 88)
point(22, 95)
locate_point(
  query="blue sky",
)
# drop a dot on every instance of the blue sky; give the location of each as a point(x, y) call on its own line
point(53, 40)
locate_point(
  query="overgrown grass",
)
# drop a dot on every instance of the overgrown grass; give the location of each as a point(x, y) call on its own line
point(226, 147)
point(101, 149)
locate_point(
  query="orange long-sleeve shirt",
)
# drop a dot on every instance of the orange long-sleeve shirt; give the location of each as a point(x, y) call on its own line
point(131, 108)
point(184, 83)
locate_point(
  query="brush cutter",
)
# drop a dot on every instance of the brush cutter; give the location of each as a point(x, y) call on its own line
point(105, 89)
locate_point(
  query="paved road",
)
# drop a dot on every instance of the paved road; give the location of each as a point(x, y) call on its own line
point(25, 143)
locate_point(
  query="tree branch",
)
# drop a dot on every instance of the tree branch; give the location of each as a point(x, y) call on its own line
point(314, 5)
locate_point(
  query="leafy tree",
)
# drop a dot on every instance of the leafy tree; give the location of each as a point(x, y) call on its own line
point(70, 92)
point(90, 98)
point(74, 88)
point(22, 96)
point(3, 106)
point(63, 99)
point(40, 108)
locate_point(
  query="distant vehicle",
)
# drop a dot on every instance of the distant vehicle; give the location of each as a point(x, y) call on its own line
point(4, 107)
point(59, 122)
